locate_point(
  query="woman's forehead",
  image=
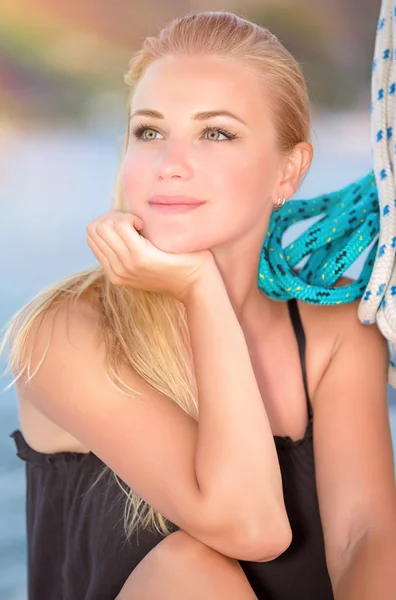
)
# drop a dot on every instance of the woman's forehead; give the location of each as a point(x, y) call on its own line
point(200, 83)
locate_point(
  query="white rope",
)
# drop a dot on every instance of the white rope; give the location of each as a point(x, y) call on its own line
point(379, 301)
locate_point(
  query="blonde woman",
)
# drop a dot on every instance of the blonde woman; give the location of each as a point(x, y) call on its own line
point(249, 438)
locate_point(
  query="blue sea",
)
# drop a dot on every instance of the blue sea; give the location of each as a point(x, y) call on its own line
point(52, 183)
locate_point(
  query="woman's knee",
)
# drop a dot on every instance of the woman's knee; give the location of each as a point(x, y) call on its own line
point(180, 562)
point(180, 546)
point(181, 551)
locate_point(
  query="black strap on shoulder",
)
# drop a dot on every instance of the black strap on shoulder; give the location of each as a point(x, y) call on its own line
point(300, 335)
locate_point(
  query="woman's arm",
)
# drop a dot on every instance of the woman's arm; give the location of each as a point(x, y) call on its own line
point(355, 471)
point(218, 480)
point(236, 461)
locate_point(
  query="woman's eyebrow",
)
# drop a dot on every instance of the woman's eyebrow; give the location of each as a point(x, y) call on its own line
point(200, 116)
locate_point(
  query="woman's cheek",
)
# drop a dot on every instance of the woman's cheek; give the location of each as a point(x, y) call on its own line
point(231, 171)
point(133, 182)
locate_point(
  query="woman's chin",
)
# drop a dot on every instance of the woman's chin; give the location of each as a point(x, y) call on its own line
point(172, 244)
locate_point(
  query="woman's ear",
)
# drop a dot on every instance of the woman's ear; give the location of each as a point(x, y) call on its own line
point(296, 166)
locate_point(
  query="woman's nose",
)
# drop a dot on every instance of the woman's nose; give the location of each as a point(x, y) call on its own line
point(174, 162)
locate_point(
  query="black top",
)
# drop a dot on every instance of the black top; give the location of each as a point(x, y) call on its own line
point(77, 549)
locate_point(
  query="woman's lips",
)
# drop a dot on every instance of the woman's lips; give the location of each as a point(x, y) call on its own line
point(176, 208)
point(174, 203)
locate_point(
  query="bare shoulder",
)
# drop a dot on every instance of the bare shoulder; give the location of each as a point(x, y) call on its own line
point(40, 432)
point(328, 327)
point(336, 320)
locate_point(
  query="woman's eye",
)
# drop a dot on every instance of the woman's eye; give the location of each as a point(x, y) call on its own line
point(213, 134)
point(145, 133)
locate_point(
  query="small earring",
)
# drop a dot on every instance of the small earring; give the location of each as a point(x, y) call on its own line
point(280, 203)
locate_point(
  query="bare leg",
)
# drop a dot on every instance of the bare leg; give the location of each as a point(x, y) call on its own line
point(181, 568)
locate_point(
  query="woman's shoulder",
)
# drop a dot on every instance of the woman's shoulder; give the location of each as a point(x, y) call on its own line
point(331, 319)
point(40, 432)
point(328, 328)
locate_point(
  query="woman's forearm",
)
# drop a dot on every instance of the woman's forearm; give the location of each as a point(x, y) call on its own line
point(370, 571)
point(237, 466)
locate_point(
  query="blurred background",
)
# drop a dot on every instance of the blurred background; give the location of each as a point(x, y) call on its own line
point(62, 117)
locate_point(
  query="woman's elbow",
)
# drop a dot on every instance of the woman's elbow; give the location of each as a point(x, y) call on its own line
point(245, 537)
point(263, 544)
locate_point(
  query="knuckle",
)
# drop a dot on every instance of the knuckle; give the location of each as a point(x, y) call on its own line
point(101, 226)
point(121, 225)
point(124, 221)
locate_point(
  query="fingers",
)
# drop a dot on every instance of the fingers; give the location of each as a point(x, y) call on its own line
point(113, 239)
point(112, 275)
point(107, 238)
point(107, 247)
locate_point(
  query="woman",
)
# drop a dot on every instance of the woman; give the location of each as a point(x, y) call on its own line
point(113, 365)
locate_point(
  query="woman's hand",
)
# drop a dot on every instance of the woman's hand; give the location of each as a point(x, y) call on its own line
point(129, 259)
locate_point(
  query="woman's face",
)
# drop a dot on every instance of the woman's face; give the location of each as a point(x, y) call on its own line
point(228, 161)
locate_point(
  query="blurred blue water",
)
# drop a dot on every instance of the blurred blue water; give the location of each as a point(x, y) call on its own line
point(52, 184)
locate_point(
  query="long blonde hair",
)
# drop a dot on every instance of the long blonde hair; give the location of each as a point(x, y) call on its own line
point(148, 330)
